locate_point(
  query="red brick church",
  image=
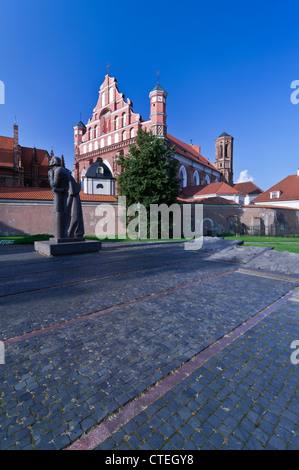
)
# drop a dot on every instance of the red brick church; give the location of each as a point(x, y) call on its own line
point(113, 126)
point(22, 166)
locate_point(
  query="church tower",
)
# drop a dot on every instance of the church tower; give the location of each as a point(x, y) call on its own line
point(224, 157)
point(79, 131)
point(158, 111)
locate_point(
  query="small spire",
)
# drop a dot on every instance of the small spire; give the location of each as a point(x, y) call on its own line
point(107, 67)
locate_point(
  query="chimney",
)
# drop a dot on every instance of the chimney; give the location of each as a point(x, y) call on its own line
point(15, 135)
point(16, 148)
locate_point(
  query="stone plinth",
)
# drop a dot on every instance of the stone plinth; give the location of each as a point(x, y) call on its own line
point(66, 246)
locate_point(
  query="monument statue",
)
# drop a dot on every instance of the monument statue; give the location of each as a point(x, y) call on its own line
point(67, 204)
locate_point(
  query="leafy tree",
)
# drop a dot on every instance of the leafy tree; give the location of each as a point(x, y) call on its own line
point(149, 172)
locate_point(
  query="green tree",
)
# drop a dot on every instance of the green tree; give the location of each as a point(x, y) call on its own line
point(148, 172)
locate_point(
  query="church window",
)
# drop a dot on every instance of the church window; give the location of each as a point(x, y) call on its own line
point(109, 140)
point(90, 148)
point(102, 143)
point(196, 178)
point(103, 99)
point(207, 179)
point(124, 135)
point(96, 145)
point(110, 95)
point(117, 122)
point(106, 122)
point(124, 120)
point(225, 151)
point(84, 149)
point(221, 151)
point(183, 177)
point(132, 133)
point(116, 138)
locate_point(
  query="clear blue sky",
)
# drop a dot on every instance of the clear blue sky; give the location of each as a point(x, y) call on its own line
point(226, 65)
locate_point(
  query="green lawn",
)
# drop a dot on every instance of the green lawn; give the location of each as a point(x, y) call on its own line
point(290, 244)
point(253, 238)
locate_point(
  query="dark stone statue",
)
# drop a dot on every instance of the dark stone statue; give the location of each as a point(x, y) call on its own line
point(67, 204)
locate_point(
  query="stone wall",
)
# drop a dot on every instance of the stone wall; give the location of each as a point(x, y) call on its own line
point(32, 217)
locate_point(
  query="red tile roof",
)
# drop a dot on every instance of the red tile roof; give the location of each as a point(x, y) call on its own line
point(44, 194)
point(189, 152)
point(212, 188)
point(209, 201)
point(289, 188)
point(247, 188)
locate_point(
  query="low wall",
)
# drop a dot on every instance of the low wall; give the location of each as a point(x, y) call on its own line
point(20, 217)
point(30, 218)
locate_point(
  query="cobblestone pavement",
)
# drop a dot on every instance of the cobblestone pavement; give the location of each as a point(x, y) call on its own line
point(89, 337)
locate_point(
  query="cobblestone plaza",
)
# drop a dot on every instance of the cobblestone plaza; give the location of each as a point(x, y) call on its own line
point(145, 346)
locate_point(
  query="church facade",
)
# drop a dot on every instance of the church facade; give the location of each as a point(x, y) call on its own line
point(113, 127)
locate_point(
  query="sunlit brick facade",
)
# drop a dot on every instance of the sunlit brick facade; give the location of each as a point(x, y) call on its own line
point(113, 128)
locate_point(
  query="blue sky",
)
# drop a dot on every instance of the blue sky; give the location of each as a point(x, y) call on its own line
point(227, 66)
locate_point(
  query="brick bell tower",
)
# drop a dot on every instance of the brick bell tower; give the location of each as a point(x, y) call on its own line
point(224, 157)
point(158, 111)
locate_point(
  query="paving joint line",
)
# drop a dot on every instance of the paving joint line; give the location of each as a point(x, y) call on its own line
point(100, 432)
point(268, 275)
point(94, 278)
point(88, 316)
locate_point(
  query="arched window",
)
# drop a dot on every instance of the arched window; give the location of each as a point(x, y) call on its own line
point(183, 177)
point(221, 151)
point(132, 133)
point(84, 149)
point(225, 151)
point(103, 99)
point(110, 95)
point(90, 148)
point(116, 138)
point(102, 143)
point(106, 122)
point(109, 140)
point(96, 145)
point(207, 179)
point(196, 178)
point(124, 135)
point(124, 119)
point(117, 122)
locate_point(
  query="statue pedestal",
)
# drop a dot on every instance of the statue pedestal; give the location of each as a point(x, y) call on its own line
point(67, 246)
